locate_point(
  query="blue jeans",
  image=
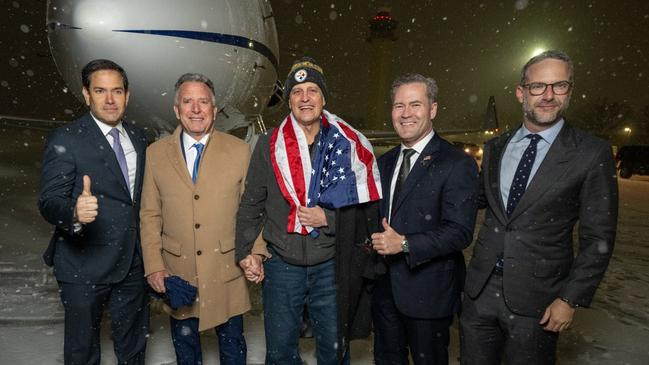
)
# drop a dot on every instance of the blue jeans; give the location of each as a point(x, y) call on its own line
point(286, 288)
point(187, 342)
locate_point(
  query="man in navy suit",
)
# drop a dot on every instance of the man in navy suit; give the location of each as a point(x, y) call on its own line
point(429, 208)
point(90, 191)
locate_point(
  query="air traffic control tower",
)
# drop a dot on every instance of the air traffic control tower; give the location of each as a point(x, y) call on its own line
point(382, 37)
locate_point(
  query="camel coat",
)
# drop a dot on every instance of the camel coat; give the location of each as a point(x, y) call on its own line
point(188, 229)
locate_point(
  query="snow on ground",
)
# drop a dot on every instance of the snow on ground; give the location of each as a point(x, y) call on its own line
point(614, 331)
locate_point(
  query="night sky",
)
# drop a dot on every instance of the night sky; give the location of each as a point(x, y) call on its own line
point(473, 49)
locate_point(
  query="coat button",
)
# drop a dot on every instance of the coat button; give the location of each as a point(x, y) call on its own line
point(196, 197)
point(197, 225)
point(199, 252)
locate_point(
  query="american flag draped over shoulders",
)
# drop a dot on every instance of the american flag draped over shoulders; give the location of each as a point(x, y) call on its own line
point(344, 170)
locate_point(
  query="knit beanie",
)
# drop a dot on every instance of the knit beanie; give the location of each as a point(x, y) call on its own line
point(305, 70)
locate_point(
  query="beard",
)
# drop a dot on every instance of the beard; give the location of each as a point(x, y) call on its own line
point(544, 119)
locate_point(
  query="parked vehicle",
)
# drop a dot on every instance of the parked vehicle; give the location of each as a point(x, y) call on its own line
point(470, 149)
point(632, 160)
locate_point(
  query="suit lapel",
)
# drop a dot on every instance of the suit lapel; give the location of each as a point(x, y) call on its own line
point(427, 156)
point(140, 145)
point(554, 165)
point(387, 171)
point(97, 138)
point(213, 159)
point(177, 158)
point(492, 176)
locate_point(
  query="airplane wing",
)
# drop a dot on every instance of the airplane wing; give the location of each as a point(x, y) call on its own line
point(30, 123)
point(489, 126)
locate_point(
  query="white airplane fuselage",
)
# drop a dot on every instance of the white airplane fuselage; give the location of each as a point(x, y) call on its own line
point(233, 42)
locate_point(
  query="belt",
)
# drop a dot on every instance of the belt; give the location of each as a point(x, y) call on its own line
point(498, 267)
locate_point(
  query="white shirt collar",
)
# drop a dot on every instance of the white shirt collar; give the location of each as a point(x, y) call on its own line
point(105, 128)
point(548, 135)
point(189, 141)
point(419, 146)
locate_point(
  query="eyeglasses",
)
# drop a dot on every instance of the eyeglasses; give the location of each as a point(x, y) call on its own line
point(558, 88)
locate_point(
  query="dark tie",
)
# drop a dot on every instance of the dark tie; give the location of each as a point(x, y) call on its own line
point(199, 152)
point(522, 174)
point(121, 157)
point(404, 170)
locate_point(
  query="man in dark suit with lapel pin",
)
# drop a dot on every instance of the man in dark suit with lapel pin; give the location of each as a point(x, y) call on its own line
point(90, 191)
point(524, 280)
point(429, 208)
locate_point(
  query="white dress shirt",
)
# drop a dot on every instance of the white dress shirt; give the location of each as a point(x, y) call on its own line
point(190, 150)
point(419, 148)
point(127, 146)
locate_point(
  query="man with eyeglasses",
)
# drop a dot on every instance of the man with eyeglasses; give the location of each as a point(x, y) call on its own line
point(524, 280)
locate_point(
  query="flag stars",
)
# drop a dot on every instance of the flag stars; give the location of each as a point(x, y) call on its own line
point(339, 151)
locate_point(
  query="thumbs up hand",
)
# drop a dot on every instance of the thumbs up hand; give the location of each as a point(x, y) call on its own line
point(387, 242)
point(87, 208)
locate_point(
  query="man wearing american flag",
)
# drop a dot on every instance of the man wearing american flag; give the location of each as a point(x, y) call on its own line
point(310, 186)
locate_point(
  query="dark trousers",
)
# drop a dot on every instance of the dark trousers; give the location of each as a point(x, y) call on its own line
point(490, 332)
point(394, 332)
point(187, 342)
point(127, 303)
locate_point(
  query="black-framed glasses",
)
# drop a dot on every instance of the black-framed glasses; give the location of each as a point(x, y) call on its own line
point(558, 88)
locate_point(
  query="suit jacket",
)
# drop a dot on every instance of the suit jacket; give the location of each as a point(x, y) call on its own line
point(103, 250)
point(189, 229)
point(436, 211)
point(575, 182)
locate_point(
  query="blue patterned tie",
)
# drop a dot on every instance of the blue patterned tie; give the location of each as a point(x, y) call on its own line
point(119, 154)
point(199, 152)
point(522, 174)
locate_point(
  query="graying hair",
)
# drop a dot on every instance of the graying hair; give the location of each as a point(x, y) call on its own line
point(194, 77)
point(551, 54)
point(431, 85)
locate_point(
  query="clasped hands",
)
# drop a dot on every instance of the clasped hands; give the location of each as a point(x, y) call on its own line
point(253, 268)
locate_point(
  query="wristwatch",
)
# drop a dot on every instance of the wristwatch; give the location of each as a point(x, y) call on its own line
point(404, 246)
point(567, 301)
